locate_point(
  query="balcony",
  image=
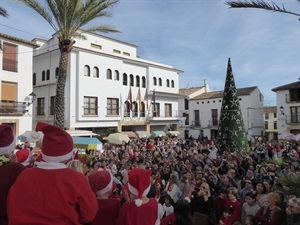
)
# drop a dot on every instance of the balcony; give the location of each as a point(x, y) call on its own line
point(12, 108)
point(196, 123)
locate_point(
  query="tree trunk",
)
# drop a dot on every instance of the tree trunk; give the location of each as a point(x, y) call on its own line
point(59, 113)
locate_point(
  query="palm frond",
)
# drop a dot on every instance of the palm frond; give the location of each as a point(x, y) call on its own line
point(3, 12)
point(259, 4)
point(289, 184)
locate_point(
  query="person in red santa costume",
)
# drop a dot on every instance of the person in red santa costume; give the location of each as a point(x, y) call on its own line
point(142, 210)
point(23, 156)
point(9, 170)
point(102, 184)
point(51, 193)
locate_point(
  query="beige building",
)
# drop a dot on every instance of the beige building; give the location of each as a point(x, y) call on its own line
point(270, 118)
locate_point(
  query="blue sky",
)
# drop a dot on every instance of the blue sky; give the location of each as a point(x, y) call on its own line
point(196, 36)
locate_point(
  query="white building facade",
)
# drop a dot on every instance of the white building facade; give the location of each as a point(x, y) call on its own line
point(108, 87)
point(288, 108)
point(16, 83)
point(204, 113)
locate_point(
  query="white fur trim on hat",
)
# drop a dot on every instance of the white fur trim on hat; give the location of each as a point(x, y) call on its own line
point(8, 149)
point(134, 191)
point(57, 158)
point(107, 188)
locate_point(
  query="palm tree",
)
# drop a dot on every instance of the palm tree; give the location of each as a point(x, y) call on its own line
point(3, 12)
point(67, 17)
point(260, 4)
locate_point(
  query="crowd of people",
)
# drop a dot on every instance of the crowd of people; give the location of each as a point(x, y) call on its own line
point(162, 180)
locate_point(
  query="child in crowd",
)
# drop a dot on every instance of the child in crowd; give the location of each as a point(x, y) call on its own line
point(225, 220)
point(168, 206)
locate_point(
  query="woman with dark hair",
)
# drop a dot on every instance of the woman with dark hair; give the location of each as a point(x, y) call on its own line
point(181, 216)
point(261, 192)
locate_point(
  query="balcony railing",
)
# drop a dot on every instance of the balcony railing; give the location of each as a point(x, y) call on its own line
point(12, 108)
point(196, 123)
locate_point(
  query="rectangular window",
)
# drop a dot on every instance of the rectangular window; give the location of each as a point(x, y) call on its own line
point(126, 53)
point(10, 57)
point(168, 110)
point(9, 91)
point(214, 117)
point(96, 46)
point(295, 114)
point(266, 116)
point(275, 125)
point(116, 51)
point(186, 104)
point(196, 117)
point(112, 106)
point(266, 125)
point(186, 121)
point(275, 115)
point(52, 105)
point(40, 106)
point(295, 95)
point(156, 110)
point(90, 106)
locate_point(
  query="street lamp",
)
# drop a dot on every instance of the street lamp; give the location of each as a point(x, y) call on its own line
point(32, 97)
point(282, 110)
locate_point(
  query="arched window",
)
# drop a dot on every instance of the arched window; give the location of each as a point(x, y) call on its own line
point(124, 79)
point(168, 83)
point(142, 109)
point(96, 72)
point(43, 75)
point(143, 82)
point(154, 81)
point(137, 81)
point(116, 75)
point(126, 109)
point(87, 71)
point(134, 109)
point(108, 74)
point(172, 84)
point(131, 80)
point(159, 82)
point(34, 79)
point(48, 75)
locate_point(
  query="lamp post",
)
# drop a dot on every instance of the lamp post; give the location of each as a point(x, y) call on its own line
point(281, 110)
point(32, 97)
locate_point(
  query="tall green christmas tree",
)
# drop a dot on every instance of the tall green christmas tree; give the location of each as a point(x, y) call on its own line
point(231, 131)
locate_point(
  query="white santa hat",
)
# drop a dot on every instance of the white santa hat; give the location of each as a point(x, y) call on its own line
point(101, 182)
point(57, 144)
point(23, 156)
point(139, 183)
point(7, 140)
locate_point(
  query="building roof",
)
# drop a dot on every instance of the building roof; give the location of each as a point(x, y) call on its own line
point(188, 91)
point(270, 109)
point(219, 94)
point(287, 86)
point(23, 41)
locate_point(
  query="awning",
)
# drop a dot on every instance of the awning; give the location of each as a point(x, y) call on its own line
point(158, 133)
point(130, 134)
point(173, 133)
point(87, 143)
point(143, 134)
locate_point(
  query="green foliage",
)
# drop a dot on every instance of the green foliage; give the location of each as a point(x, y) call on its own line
point(277, 161)
point(289, 185)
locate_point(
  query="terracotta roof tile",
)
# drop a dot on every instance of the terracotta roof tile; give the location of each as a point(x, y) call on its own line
point(188, 91)
point(19, 40)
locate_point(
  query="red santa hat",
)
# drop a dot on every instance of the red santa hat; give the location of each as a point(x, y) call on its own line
point(23, 156)
point(57, 144)
point(101, 182)
point(139, 183)
point(7, 140)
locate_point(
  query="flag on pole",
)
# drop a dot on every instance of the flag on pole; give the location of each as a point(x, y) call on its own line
point(130, 99)
point(153, 100)
point(146, 100)
point(139, 100)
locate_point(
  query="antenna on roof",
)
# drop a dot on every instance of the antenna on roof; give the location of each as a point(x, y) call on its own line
point(204, 82)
